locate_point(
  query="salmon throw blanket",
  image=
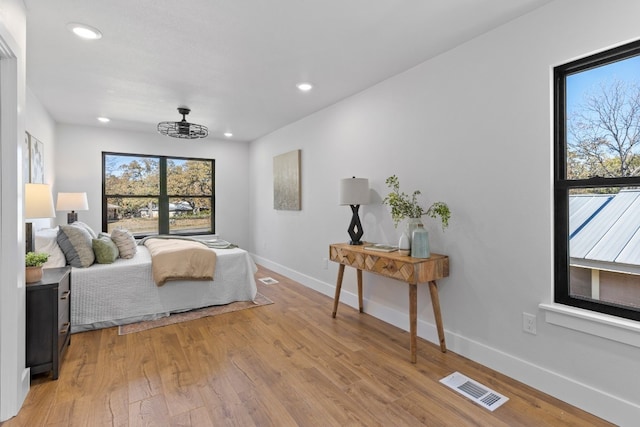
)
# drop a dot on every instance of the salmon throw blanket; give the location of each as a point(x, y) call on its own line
point(178, 259)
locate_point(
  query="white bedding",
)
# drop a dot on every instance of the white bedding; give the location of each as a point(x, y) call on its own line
point(105, 295)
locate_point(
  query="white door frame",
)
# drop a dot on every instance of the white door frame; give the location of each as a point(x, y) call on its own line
point(14, 376)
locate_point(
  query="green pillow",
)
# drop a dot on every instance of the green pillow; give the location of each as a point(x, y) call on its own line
point(105, 250)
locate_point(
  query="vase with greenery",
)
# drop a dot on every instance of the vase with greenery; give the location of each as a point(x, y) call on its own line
point(404, 206)
point(33, 263)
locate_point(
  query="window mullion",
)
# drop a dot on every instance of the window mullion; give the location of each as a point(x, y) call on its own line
point(163, 200)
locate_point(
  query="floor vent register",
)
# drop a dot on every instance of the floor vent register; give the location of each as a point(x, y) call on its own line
point(474, 391)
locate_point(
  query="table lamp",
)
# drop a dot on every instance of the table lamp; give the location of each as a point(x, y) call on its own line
point(38, 203)
point(354, 192)
point(72, 202)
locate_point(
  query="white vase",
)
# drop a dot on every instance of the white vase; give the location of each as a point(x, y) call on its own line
point(404, 245)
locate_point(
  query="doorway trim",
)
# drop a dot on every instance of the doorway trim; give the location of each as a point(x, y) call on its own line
point(14, 376)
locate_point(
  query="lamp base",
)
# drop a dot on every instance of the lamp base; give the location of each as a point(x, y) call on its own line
point(355, 227)
point(72, 217)
point(29, 244)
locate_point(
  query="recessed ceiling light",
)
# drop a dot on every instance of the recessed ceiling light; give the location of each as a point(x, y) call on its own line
point(228, 134)
point(84, 31)
point(104, 119)
point(304, 87)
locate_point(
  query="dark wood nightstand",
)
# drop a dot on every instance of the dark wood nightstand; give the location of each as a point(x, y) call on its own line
point(48, 320)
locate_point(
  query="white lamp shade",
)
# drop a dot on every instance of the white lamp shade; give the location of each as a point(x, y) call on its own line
point(354, 191)
point(72, 202)
point(38, 201)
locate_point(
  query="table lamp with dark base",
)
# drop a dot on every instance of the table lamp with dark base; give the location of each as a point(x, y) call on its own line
point(354, 192)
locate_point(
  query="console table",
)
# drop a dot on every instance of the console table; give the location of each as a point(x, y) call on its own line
point(399, 267)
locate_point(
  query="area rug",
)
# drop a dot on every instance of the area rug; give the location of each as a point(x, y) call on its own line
point(193, 314)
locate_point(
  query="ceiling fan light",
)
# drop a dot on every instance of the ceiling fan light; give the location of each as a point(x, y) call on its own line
point(183, 129)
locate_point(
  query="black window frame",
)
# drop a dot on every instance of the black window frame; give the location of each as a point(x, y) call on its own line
point(563, 186)
point(163, 197)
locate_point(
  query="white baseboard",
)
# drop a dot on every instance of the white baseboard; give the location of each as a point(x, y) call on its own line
point(25, 383)
point(308, 281)
point(11, 406)
point(581, 395)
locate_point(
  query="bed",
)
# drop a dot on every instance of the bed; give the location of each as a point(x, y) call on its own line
point(106, 295)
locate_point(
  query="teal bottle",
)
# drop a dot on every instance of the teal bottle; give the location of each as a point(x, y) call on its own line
point(420, 243)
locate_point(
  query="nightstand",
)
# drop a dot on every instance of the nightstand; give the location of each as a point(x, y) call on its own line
point(48, 320)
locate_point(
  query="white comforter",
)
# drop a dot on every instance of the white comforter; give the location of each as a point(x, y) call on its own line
point(105, 295)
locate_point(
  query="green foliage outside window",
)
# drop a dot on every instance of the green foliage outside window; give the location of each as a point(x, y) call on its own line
point(151, 195)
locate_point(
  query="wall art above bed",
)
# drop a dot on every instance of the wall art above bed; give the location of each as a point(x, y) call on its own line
point(32, 160)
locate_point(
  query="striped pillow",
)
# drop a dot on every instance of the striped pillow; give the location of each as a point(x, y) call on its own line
point(125, 242)
point(75, 243)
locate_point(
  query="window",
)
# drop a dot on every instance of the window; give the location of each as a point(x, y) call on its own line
point(150, 195)
point(597, 182)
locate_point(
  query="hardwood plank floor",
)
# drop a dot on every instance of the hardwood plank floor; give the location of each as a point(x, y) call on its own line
point(284, 364)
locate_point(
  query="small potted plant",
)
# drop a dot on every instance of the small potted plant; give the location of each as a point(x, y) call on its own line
point(403, 206)
point(33, 262)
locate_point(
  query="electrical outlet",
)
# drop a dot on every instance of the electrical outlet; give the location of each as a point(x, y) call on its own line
point(325, 263)
point(529, 323)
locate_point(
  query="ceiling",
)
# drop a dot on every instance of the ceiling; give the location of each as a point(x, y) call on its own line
point(235, 63)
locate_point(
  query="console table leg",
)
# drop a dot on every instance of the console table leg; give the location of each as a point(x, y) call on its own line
point(435, 302)
point(413, 319)
point(336, 300)
point(360, 305)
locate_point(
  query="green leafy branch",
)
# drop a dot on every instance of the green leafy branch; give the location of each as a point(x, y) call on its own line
point(405, 206)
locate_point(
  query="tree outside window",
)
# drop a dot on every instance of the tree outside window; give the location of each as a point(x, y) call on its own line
point(150, 195)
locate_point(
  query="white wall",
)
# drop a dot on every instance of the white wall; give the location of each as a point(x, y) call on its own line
point(471, 127)
point(78, 164)
point(42, 127)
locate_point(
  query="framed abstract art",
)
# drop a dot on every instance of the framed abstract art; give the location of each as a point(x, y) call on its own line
point(286, 181)
point(32, 160)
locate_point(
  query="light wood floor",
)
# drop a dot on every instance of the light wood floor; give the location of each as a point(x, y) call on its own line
point(285, 364)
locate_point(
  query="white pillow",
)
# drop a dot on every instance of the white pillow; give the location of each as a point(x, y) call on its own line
point(92, 233)
point(46, 242)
